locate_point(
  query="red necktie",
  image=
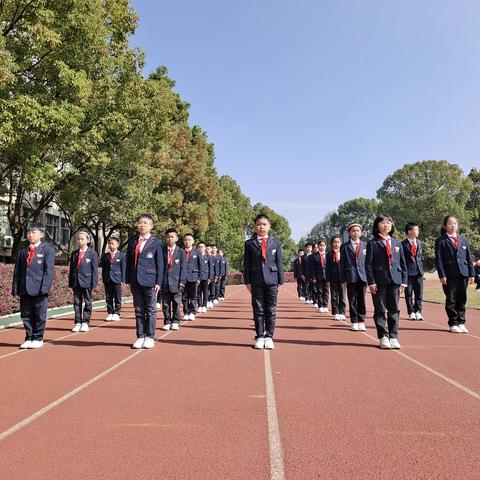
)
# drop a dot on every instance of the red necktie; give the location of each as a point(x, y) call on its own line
point(357, 251)
point(388, 246)
point(137, 249)
point(322, 259)
point(336, 256)
point(414, 248)
point(80, 258)
point(455, 242)
point(112, 257)
point(264, 247)
point(188, 254)
point(31, 254)
point(170, 260)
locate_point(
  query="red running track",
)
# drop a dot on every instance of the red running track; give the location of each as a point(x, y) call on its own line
point(327, 403)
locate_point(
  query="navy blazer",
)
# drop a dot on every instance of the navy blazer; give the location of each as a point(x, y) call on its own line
point(451, 262)
point(86, 275)
point(308, 268)
point(332, 269)
point(320, 271)
point(113, 271)
point(176, 279)
point(258, 272)
point(297, 268)
point(205, 271)
point(351, 270)
point(223, 266)
point(215, 265)
point(194, 266)
point(38, 278)
point(414, 264)
point(150, 265)
point(379, 270)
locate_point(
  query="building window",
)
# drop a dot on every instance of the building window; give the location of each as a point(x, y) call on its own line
point(65, 232)
point(52, 227)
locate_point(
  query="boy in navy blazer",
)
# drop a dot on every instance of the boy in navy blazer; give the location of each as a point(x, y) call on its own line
point(217, 272)
point(334, 278)
point(413, 251)
point(308, 273)
point(211, 277)
point(193, 270)
point(321, 284)
point(32, 281)
point(83, 278)
point(174, 280)
point(223, 275)
point(263, 274)
point(297, 274)
point(204, 278)
point(144, 273)
point(386, 275)
point(455, 270)
point(352, 268)
point(113, 276)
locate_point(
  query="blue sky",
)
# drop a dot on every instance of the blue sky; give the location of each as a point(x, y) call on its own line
point(312, 102)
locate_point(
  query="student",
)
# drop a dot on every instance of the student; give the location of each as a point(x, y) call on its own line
point(297, 275)
point(204, 278)
point(263, 274)
point(217, 271)
point(193, 270)
point(321, 285)
point(477, 274)
point(386, 275)
point(352, 267)
point(334, 278)
point(83, 278)
point(113, 276)
point(174, 280)
point(455, 270)
point(223, 275)
point(413, 251)
point(32, 281)
point(211, 276)
point(308, 273)
point(144, 273)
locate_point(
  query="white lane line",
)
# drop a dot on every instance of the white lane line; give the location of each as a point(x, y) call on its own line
point(277, 471)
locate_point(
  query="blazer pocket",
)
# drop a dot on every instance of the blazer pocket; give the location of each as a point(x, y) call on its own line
point(273, 269)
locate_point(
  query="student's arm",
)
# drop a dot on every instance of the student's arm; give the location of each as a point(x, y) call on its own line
point(183, 268)
point(403, 266)
point(471, 270)
point(71, 270)
point(343, 264)
point(94, 269)
point(246, 266)
point(123, 263)
point(226, 267)
point(48, 270)
point(439, 261)
point(16, 272)
point(327, 267)
point(280, 266)
point(369, 268)
point(160, 266)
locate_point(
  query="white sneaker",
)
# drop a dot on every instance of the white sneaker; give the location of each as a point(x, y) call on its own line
point(204, 310)
point(310, 301)
point(84, 327)
point(337, 317)
point(259, 344)
point(302, 299)
point(209, 305)
point(454, 329)
point(343, 317)
point(394, 343)
point(109, 317)
point(175, 326)
point(191, 316)
point(76, 327)
point(315, 305)
point(221, 299)
point(159, 306)
point(269, 343)
point(115, 317)
point(355, 327)
point(149, 342)
point(215, 302)
point(36, 344)
point(418, 316)
point(462, 328)
point(26, 344)
point(167, 327)
point(385, 343)
point(138, 343)
point(325, 310)
point(186, 316)
point(412, 316)
point(362, 327)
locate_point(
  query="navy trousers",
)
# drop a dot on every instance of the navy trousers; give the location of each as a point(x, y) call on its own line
point(145, 304)
point(33, 311)
point(264, 304)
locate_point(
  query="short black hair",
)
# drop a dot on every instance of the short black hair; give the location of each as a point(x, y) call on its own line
point(213, 245)
point(334, 237)
point(201, 243)
point(114, 237)
point(321, 241)
point(300, 250)
point(36, 226)
point(308, 244)
point(380, 219)
point(171, 230)
point(145, 215)
point(410, 226)
point(260, 216)
point(188, 235)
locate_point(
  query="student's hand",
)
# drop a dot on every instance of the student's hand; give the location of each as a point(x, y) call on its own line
point(182, 286)
point(157, 288)
point(280, 285)
point(303, 278)
point(471, 280)
point(373, 289)
point(249, 288)
point(403, 287)
point(198, 282)
point(314, 281)
point(443, 280)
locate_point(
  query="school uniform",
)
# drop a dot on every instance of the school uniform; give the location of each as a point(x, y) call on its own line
point(334, 278)
point(413, 251)
point(454, 262)
point(263, 271)
point(223, 276)
point(215, 272)
point(205, 275)
point(32, 281)
point(83, 278)
point(388, 274)
point(193, 267)
point(113, 275)
point(174, 280)
point(477, 277)
point(308, 271)
point(143, 271)
point(321, 286)
point(297, 275)
point(218, 272)
point(352, 269)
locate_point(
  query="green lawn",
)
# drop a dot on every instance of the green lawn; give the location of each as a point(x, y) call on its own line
point(435, 294)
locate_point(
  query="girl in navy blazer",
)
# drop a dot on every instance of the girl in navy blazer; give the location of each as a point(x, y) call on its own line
point(386, 275)
point(335, 279)
point(455, 270)
point(83, 278)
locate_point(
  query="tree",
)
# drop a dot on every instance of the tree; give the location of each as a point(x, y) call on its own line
point(323, 230)
point(359, 210)
point(473, 209)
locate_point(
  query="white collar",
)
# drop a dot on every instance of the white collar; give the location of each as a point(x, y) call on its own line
point(35, 244)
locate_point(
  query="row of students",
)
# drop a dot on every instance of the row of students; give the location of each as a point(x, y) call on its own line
point(386, 266)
